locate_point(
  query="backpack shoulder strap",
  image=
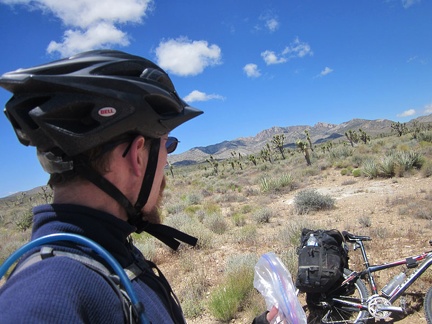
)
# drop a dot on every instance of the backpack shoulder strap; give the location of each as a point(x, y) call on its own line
point(132, 272)
point(48, 252)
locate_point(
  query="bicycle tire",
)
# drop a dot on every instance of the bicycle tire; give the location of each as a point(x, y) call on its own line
point(333, 312)
point(428, 306)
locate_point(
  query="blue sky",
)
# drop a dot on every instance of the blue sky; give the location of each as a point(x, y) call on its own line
point(249, 64)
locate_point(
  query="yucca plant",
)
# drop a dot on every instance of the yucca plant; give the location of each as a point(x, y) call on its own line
point(370, 168)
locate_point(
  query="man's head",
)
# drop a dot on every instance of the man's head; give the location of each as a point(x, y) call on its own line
point(78, 111)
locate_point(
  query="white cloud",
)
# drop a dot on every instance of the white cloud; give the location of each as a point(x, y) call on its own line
point(184, 57)
point(407, 113)
point(270, 57)
point(428, 109)
point(90, 24)
point(251, 70)
point(272, 24)
point(78, 41)
point(326, 71)
point(201, 96)
point(297, 49)
point(408, 3)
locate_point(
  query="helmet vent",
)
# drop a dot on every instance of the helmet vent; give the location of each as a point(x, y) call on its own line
point(130, 69)
point(73, 117)
point(163, 105)
point(63, 68)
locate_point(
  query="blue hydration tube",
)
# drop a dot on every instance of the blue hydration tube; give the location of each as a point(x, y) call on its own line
point(89, 243)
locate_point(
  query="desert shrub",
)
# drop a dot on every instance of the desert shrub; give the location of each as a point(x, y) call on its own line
point(194, 198)
point(193, 227)
point(347, 170)
point(425, 136)
point(216, 223)
point(379, 232)
point(311, 200)
point(245, 209)
point(289, 258)
point(226, 300)
point(239, 219)
point(262, 216)
point(409, 159)
point(365, 221)
point(24, 220)
point(283, 181)
point(356, 173)
point(226, 197)
point(175, 208)
point(387, 166)
point(310, 171)
point(192, 210)
point(370, 168)
point(211, 207)
point(357, 159)
point(341, 153)
point(265, 184)
point(426, 169)
point(236, 263)
point(192, 297)
point(247, 234)
point(290, 234)
point(11, 241)
point(422, 213)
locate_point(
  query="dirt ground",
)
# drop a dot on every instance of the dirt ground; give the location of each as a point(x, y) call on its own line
point(380, 208)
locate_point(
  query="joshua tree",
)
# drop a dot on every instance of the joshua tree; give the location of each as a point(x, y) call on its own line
point(252, 158)
point(266, 154)
point(213, 163)
point(303, 146)
point(399, 128)
point(278, 143)
point(309, 139)
point(352, 137)
point(363, 136)
point(416, 128)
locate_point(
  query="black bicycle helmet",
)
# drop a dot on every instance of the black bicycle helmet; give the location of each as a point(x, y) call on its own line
point(66, 107)
point(78, 103)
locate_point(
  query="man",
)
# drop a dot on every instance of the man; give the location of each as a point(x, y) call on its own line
point(100, 122)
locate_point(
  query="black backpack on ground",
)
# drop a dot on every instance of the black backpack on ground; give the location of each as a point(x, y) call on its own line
point(321, 260)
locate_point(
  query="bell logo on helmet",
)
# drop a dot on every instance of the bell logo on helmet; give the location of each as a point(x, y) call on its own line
point(107, 112)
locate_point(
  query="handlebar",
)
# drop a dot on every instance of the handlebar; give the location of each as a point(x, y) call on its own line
point(355, 238)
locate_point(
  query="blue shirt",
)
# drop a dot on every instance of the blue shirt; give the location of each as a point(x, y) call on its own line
point(62, 290)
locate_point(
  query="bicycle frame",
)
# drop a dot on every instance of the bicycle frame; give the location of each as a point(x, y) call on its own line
point(340, 305)
point(422, 262)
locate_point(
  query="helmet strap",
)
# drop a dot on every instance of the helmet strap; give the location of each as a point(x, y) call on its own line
point(147, 184)
point(166, 234)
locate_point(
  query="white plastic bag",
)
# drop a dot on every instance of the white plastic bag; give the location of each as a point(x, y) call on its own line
point(274, 282)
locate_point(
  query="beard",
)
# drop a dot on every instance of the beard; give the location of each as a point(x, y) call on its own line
point(154, 216)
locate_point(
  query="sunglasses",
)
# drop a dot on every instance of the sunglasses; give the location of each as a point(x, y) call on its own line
point(171, 144)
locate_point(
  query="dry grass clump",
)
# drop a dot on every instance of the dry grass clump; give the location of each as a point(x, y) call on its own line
point(310, 200)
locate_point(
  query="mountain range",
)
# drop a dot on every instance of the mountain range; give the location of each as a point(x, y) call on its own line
point(319, 133)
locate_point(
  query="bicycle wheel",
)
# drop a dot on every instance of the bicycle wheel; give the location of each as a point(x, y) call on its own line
point(428, 306)
point(329, 308)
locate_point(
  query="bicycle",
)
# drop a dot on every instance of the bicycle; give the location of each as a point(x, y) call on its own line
point(351, 302)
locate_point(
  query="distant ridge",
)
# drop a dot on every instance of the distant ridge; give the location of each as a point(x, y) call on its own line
point(319, 133)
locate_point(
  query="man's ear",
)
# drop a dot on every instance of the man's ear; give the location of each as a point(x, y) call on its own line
point(137, 156)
